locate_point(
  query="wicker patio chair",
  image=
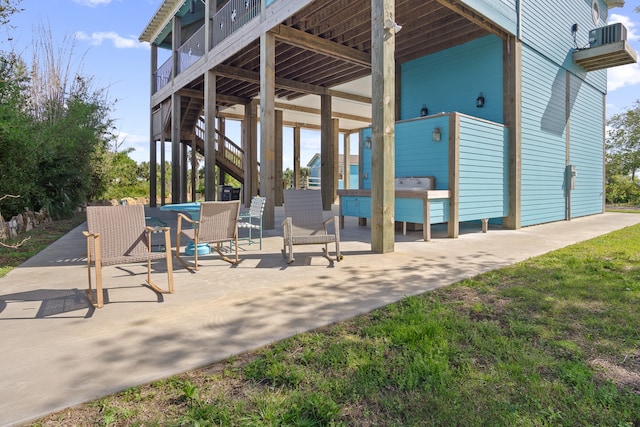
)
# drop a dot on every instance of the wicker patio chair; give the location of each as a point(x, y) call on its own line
point(252, 220)
point(217, 223)
point(119, 235)
point(304, 224)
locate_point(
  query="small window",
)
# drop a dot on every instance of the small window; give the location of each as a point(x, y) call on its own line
point(595, 12)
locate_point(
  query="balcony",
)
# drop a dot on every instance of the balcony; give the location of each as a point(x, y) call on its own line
point(229, 19)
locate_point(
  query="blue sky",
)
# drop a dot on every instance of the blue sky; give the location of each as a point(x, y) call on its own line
point(107, 47)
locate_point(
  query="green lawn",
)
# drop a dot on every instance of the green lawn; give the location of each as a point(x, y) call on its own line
point(552, 341)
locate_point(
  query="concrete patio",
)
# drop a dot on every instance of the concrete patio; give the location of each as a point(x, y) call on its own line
point(57, 351)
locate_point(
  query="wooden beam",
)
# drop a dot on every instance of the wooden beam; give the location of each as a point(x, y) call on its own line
point(316, 111)
point(236, 73)
point(175, 148)
point(453, 225)
point(209, 136)
point(328, 148)
point(267, 127)
point(319, 45)
point(296, 158)
point(383, 69)
point(512, 87)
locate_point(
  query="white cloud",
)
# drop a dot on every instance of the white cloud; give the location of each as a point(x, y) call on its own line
point(628, 24)
point(625, 75)
point(139, 143)
point(92, 3)
point(118, 41)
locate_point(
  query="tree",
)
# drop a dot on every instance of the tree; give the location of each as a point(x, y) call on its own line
point(623, 157)
point(73, 128)
point(18, 154)
point(8, 8)
point(623, 142)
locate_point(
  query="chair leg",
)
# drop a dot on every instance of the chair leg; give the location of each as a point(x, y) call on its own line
point(150, 282)
point(98, 300)
point(226, 258)
point(184, 263)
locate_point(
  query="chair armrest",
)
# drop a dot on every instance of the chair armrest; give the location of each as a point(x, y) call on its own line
point(181, 217)
point(157, 228)
point(88, 234)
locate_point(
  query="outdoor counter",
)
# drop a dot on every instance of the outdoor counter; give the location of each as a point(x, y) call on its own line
point(424, 207)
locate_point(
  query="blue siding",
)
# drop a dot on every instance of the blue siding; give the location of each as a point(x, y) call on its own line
point(418, 155)
point(452, 79)
point(546, 28)
point(366, 160)
point(502, 12)
point(543, 139)
point(586, 151)
point(482, 191)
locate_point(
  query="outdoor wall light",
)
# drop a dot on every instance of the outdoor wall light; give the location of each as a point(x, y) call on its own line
point(367, 142)
point(436, 134)
point(391, 26)
point(480, 100)
point(424, 111)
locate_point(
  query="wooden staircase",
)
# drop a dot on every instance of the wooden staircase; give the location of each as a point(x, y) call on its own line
point(229, 156)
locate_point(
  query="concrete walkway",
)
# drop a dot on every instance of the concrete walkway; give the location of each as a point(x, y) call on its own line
point(56, 351)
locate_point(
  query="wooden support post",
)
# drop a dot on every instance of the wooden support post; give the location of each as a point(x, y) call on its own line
point(176, 42)
point(210, 188)
point(175, 148)
point(328, 154)
point(250, 147)
point(453, 226)
point(163, 171)
point(512, 70)
point(184, 166)
point(296, 157)
point(209, 7)
point(383, 114)
point(278, 153)
point(346, 162)
point(267, 128)
point(153, 146)
point(194, 169)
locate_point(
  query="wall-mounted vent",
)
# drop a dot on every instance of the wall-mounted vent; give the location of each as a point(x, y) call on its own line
point(605, 35)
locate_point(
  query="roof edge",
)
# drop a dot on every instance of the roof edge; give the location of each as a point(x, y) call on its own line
point(160, 18)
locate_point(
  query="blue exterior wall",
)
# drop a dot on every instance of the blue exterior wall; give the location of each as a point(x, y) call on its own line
point(559, 99)
point(483, 190)
point(452, 79)
point(586, 149)
point(418, 155)
point(546, 28)
point(543, 140)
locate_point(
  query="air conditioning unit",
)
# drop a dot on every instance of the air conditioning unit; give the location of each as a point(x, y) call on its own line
point(605, 35)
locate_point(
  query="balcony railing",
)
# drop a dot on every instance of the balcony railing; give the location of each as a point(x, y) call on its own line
point(228, 19)
point(191, 50)
point(162, 75)
point(231, 17)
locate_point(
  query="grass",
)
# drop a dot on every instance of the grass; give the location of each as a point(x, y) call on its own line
point(38, 239)
point(552, 341)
